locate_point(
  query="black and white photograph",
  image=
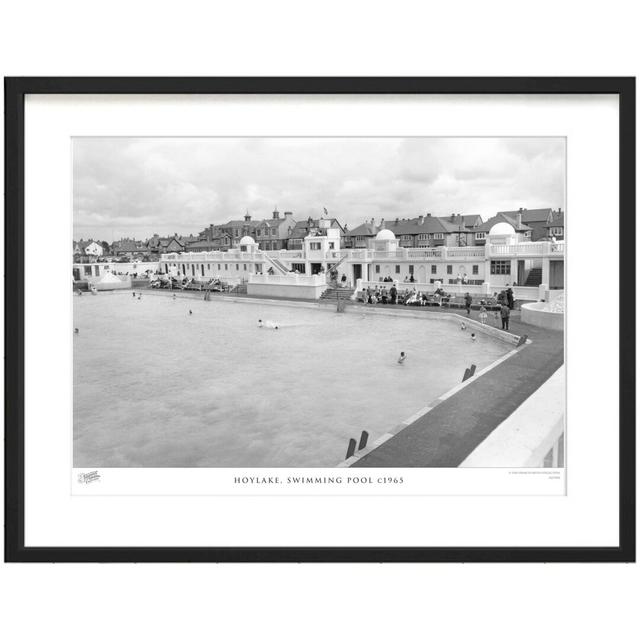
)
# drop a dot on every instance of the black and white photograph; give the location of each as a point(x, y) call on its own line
point(319, 302)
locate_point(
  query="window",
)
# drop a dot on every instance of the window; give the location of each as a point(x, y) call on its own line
point(237, 267)
point(209, 267)
point(87, 271)
point(397, 268)
point(423, 236)
point(480, 235)
point(406, 237)
point(202, 269)
point(438, 236)
point(193, 269)
point(556, 231)
point(501, 267)
point(434, 269)
point(219, 266)
point(226, 267)
point(377, 268)
point(410, 269)
point(245, 266)
point(332, 245)
point(474, 269)
point(315, 246)
point(236, 233)
point(449, 269)
point(273, 231)
point(258, 232)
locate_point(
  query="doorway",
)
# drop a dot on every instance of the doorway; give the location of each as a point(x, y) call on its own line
point(556, 274)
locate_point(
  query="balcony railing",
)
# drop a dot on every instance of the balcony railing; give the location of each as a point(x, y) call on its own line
point(534, 249)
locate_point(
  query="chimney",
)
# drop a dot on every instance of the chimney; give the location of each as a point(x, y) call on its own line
point(276, 214)
point(519, 218)
point(420, 219)
point(428, 215)
point(397, 221)
point(288, 214)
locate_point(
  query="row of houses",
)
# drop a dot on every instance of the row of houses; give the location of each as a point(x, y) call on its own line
point(283, 232)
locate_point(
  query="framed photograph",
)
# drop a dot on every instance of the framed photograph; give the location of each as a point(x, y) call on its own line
point(320, 319)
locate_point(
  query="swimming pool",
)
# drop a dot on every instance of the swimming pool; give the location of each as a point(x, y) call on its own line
point(157, 387)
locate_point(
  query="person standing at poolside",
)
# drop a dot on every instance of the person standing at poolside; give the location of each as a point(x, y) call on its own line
point(467, 302)
point(510, 298)
point(483, 314)
point(504, 314)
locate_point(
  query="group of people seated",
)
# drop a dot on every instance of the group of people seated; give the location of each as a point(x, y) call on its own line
point(392, 295)
point(412, 297)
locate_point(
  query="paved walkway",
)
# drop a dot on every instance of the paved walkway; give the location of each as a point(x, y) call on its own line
point(446, 435)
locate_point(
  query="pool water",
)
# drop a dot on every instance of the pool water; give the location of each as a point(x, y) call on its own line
point(157, 387)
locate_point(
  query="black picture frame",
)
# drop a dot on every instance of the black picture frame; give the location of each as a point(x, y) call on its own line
point(15, 91)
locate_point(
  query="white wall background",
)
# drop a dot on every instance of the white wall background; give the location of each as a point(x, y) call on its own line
point(328, 38)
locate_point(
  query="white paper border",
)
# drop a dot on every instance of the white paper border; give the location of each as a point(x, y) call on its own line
point(588, 515)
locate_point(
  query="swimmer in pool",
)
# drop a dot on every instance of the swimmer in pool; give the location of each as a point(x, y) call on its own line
point(190, 312)
point(174, 296)
point(260, 325)
point(76, 330)
point(402, 358)
point(473, 337)
point(133, 293)
point(463, 326)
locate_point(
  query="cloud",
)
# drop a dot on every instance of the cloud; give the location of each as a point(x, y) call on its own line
point(140, 186)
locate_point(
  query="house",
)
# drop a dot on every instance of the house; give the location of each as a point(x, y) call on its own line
point(273, 234)
point(514, 219)
point(311, 226)
point(157, 245)
point(555, 225)
point(129, 248)
point(93, 248)
point(424, 231)
point(537, 219)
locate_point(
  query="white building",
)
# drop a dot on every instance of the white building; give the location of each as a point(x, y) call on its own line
point(505, 260)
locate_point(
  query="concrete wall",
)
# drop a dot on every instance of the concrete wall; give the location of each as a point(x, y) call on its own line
point(287, 286)
point(422, 271)
point(526, 437)
point(307, 292)
point(536, 313)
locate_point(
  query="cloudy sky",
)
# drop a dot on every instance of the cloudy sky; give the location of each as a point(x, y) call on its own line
point(139, 186)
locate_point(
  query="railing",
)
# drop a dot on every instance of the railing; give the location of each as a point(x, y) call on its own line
point(424, 253)
point(465, 252)
point(477, 253)
point(527, 249)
